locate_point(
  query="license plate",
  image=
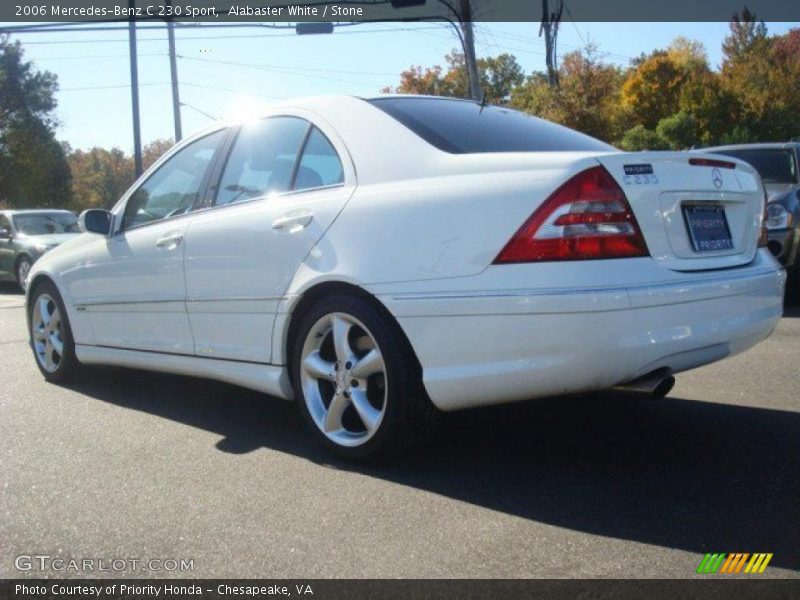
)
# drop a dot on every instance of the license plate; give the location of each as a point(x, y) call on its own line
point(708, 227)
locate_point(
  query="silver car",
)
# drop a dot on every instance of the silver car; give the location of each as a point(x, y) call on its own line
point(779, 167)
point(25, 235)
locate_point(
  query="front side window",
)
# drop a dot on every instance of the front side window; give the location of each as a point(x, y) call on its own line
point(262, 160)
point(45, 223)
point(175, 187)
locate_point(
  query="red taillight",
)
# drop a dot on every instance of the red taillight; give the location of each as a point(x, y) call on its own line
point(712, 162)
point(586, 218)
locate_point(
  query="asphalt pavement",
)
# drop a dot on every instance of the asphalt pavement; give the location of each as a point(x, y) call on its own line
point(143, 466)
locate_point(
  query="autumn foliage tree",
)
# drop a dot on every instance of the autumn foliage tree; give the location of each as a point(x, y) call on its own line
point(587, 98)
point(100, 177)
point(498, 76)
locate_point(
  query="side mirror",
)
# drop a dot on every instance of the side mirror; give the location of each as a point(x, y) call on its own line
point(95, 220)
point(5, 234)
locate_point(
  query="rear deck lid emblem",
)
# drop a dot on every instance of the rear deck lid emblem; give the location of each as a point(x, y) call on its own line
point(716, 177)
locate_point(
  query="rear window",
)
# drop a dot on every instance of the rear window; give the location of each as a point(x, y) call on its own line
point(463, 127)
point(773, 165)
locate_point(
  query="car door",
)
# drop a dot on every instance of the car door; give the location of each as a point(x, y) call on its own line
point(135, 288)
point(282, 185)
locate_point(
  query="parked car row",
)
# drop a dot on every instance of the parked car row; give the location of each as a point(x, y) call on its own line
point(26, 235)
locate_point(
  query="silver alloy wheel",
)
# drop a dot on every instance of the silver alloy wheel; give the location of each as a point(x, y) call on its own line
point(47, 331)
point(23, 271)
point(344, 379)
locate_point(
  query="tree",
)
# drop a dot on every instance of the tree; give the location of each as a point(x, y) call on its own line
point(747, 74)
point(498, 76)
point(587, 99)
point(640, 138)
point(679, 130)
point(747, 34)
point(155, 150)
point(99, 177)
point(652, 89)
point(33, 168)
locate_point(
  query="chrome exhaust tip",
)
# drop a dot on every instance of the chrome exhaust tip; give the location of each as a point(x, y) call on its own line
point(658, 384)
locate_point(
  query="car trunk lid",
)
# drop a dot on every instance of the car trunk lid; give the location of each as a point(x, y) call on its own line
point(683, 209)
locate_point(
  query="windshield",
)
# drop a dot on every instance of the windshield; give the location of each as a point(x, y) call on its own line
point(461, 127)
point(774, 165)
point(46, 223)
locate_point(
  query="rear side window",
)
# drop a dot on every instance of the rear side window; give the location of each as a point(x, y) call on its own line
point(462, 127)
point(320, 165)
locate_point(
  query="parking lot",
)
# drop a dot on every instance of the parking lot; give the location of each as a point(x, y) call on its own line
point(135, 464)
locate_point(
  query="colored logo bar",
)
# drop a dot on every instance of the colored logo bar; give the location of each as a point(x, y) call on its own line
point(737, 562)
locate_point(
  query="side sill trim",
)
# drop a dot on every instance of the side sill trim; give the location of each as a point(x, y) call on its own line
point(269, 379)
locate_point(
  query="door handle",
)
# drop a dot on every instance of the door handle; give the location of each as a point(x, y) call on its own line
point(293, 222)
point(169, 241)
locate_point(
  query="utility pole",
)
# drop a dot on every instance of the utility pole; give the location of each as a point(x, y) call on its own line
point(137, 134)
point(468, 40)
point(173, 71)
point(549, 26)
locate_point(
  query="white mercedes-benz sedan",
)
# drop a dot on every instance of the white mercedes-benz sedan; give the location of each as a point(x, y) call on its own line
point(380, 260)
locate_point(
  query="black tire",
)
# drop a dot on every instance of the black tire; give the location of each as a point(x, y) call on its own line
point(18, 271)
point(409, 415)
point(792, 296)
point(68, 367)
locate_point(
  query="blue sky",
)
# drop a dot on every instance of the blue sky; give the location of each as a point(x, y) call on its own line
point(94, 100)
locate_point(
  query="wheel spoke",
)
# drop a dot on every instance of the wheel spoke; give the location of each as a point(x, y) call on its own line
point(44, 312)
point(56, 343)
point(341, 342)
point(368, 414)
point(38, 334)
point(333, 418)
point(318, 367)
point(371, 363)
point(48, 354)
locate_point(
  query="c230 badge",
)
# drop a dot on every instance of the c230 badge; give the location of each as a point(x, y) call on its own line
point(641, 174)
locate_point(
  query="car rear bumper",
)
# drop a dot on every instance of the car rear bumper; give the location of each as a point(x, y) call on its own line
point(495, 347)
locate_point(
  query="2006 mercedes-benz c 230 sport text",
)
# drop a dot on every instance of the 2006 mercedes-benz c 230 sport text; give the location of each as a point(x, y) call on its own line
point(379, 259)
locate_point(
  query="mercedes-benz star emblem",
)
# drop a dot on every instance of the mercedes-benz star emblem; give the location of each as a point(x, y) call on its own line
point(716, 177)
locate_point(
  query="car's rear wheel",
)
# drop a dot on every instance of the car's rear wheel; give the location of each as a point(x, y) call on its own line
point(51, 335)
point(23, 270)
point(357, 381)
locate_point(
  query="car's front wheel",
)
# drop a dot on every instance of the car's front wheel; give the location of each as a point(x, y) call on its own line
point(50, 334)
point(23, 270)
point(357, 381)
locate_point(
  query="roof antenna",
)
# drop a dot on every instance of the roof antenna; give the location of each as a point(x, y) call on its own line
point(483, 101)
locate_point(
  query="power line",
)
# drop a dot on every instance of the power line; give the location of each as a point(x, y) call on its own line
point(110, 87)
point(272, 70)
point(200, 110)
point(229, 90)
point(289, 67)
point(353, 31)
point(95, 57)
